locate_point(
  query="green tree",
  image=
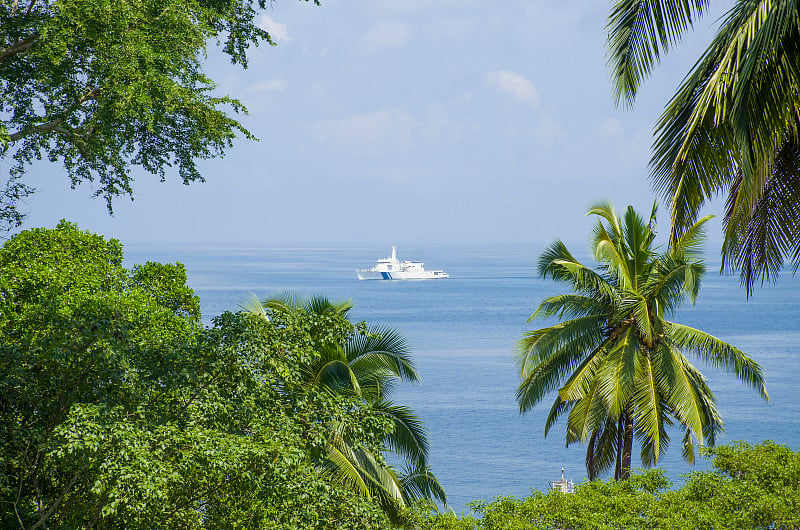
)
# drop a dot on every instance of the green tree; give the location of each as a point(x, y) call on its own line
point(733, 126)
point(118, 409)
point(754, 487)
point(617, 362)
point(366, 366)
point(104, 85)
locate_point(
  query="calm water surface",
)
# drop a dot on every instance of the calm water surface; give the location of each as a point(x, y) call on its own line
point(463, 332)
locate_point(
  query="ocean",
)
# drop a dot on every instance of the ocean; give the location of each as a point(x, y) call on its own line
point(463, 330)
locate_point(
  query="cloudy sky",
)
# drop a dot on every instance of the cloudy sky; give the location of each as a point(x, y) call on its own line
point(392, 121)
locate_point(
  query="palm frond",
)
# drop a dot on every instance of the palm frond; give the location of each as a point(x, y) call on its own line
point(252, 306)
point(586, 415)
point(758, 239)
point(408, 437)
point(556, 410)
point(612, 252)
point(672, 280)
point(570, 306)
point(639, 30)
point(578, 356)
point(321, 305)
point(335, 375)
point(733, 112)
point(648, 413)
point(341, 465)
point(578, 335)
point(719, 353)
point(419, 483)
point(690, 243)
point(616, 373)
point(678, 389)
point(557, 263)
point(604, 450)
point(382, 348)
point(605, 210)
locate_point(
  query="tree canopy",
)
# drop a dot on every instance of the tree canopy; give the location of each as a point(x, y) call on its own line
point(102, 86)
point(119, 409)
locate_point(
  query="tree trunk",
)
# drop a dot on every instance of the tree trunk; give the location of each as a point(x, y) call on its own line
point(627, 446)
point(590, 466)
point(618, 467)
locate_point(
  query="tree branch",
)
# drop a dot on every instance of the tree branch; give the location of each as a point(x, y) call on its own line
point(55, 125)
point(45, 127)
point(19, 47)
point(58, 501)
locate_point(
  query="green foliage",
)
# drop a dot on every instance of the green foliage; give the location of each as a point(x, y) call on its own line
point(754, 487)
point(618, 364)
point(118, 409)
point(101, 85)
point(365, 366)
point(731, 127)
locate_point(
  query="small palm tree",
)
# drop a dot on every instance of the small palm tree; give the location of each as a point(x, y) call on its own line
point(367, 367)
point(617, 363)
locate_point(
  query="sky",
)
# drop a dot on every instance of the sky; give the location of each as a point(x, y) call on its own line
point(395, 121)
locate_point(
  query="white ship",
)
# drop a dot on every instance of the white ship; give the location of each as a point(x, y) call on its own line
point(392, 269)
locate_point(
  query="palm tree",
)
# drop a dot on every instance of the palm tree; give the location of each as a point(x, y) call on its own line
point(617, 363)
point(733, 126)
point(367, 367)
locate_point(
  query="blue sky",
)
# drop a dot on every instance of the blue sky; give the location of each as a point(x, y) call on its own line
point(397, 121)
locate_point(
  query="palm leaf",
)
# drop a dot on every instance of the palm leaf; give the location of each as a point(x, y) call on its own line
point(638, 32)
point(382, 348)
point(418, 483)
point(718, 353)
point(408, 436)
point(757, 239)
point(252, 306)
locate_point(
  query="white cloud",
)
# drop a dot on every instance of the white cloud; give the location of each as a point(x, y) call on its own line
point(515, 85)
point(276, 30)
point(385, 35)
point(385, 131)
point(271, 85)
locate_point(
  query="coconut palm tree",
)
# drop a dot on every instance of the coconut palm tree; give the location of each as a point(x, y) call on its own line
point(367, 367)
point(618, 364)
point(733, 126)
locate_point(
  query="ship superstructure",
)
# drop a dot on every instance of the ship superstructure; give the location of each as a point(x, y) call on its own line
point(393, 269)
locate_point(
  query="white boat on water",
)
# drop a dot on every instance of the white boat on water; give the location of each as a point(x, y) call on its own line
point(393, 269)
point(563, 485)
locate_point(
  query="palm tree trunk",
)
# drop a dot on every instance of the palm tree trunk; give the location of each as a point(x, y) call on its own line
point(618, 467)
point(590, 466)
point(625, 468)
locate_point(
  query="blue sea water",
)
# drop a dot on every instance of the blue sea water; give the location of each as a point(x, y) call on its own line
point(463, 330)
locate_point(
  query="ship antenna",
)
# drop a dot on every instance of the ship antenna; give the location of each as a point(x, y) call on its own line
point(394, 253)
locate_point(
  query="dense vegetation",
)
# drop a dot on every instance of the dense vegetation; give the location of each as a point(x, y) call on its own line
point(118, 408)
point(753, 487)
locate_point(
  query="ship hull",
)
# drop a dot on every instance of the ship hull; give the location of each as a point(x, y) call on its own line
point(400, 275)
